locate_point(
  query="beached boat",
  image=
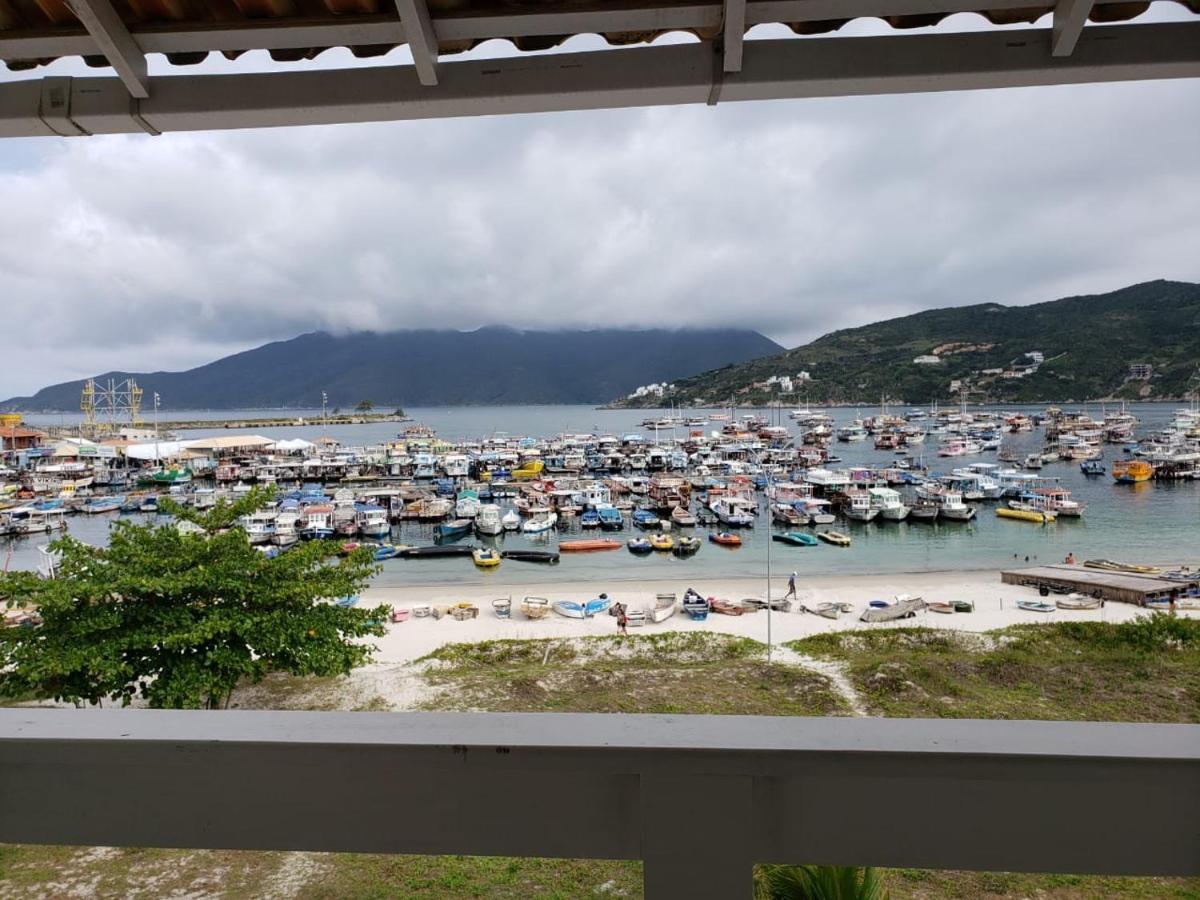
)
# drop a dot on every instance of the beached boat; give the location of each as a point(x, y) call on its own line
point(1190, 602)
point(939, 606)
point(662, 542)
point(795, 538)
point(963, 606)
point(534, 556)
point(1036, 606)
point(1025, 514)
point(463, 611)
point(695, 606)
point(502, 607)
point(1110, 566)
point(400, 614)
point(540, 524)
point(662, 608)
point(726, 607)
point(900, 608)
point(1078, 601)
point(485, 557)
point(834, 537)
point(588, 545)
point(686, 546)
point(535, 607)
point(725, 539)
point(586, 610)
point(639, 546)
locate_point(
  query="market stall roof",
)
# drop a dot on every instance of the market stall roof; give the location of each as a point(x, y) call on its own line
point(722, 66)
point(228, 442)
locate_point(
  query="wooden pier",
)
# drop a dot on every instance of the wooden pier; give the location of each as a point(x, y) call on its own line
point(1122, 587)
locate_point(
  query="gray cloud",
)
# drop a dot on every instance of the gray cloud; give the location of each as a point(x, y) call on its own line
point(795, 218)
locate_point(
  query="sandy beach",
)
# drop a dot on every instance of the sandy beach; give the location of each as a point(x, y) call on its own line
point(995, 607)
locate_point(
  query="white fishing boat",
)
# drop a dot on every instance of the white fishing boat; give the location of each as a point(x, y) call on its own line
point(888, 504)
point(662, 608)
point(539, 524)
point(951, 506)
point(259, 526)
point(489, 520)
point(372, 521)
point(857, 506)
point(511, 520)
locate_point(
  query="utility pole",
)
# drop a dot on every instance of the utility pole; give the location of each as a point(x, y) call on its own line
point(156, 455)
point(324, 415)
point(769, 542)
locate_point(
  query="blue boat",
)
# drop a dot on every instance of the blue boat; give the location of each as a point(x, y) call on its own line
point(643, 518)
point(695, 606)
point(102, 504)
point(384, 551)
point(1091, 467)
point(455, 528)
point(590, 519)
point(610, 517)
point(346, 602)
point(573, 610)
point(639, 546)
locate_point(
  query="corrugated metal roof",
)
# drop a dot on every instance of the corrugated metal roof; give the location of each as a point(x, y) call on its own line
point(48, 19)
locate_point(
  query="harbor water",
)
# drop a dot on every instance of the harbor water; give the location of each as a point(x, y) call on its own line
point(1152, 522)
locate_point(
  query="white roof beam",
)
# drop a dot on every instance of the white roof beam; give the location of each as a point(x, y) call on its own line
point(115, 42)
point(422, 39)
point(1069, 18)
point(647, 76)
point(734, 34)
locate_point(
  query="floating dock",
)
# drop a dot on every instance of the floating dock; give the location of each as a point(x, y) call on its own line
point(1121, 587)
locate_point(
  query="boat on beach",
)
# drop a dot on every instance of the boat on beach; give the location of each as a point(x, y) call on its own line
point(900, 608)
point(535, 607)
point(1036, 606)
point(695, 606)
point(582, 610)
point(662, 608)
point(1078, 601)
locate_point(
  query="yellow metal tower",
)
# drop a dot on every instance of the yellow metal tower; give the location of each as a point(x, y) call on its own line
point(115, 402)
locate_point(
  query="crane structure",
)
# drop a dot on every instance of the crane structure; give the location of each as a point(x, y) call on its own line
point(107, 405)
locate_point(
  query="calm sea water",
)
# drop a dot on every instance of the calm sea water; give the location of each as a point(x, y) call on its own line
point(1153, 522)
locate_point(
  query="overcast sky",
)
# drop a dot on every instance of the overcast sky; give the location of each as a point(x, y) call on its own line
point(794, 218)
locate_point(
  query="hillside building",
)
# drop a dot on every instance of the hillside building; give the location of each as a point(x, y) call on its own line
point(927, 360)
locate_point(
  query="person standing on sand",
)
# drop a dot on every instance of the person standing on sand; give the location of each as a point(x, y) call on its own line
point(622, 620)
point(791, 591)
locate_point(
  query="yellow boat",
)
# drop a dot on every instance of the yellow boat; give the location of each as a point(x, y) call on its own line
point(834, 537)
point(661, 541)
point(485, 558)
point(1026, 515)
point(529, 469)
point(1131, 471)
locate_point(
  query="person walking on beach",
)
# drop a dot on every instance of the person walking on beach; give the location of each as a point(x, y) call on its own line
point(791, 591)
point(622, 620)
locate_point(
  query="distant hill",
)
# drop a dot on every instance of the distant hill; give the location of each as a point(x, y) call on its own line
point(431, 368)
point(1088, 344)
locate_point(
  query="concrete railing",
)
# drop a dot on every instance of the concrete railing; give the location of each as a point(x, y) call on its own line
point(699, 798)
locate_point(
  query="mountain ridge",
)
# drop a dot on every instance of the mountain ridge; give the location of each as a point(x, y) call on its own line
point(493, 365)
point(1088, 343)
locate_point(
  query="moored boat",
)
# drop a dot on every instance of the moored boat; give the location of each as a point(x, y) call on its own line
point(588, 545)
point(1025, 514)
point(1111, 566)
point(537, 556)
point(725, 539)
point(1131, 471)
point(639, 546)
point(795, 538)
point(662, 542)
point(686, 546)
point(485, 557)
point(834, 537)
point(455, 528)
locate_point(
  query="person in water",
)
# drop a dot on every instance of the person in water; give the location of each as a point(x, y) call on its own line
point(1070, 560)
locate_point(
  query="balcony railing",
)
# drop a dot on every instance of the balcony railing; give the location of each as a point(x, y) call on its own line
point(699, 798)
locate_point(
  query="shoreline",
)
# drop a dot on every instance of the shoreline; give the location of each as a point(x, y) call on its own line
point(995, 607)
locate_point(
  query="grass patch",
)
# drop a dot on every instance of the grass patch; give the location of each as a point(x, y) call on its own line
point(1142, 671)
point(676, 672)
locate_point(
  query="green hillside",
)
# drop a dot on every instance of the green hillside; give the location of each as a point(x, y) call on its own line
point(1088, 344)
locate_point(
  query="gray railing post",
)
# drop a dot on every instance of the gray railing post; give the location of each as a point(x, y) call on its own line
point(697, 836)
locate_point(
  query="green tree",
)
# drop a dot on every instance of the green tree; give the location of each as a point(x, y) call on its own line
point(817, 883)
point(364, 406)
point(178, 615)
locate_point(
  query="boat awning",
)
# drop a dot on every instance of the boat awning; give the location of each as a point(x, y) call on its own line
point(718, 64)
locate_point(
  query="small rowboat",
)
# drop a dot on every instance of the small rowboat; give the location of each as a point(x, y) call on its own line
point(1164, 603)
point(834, 537)
point(437, 550)
point(681, 517)
point(486, 558)
point(795, 538)
point(828, 610)
point(535, 607)
point(464, 611)
point(1077, 601)
point(662, 541)
point(963, 606)
point(725, 607)
point(639, 546)
point(588, 545)
point(1109, 565)
point(901, 609)
point(939, 607)
point(695, 606)
point(399, 614)
point(662, 608)
point(421, 611)
point(725, 539)
point(686, 546)
point(385, 551)
point(502, 607)
point(574, 610)
point(1036, 606)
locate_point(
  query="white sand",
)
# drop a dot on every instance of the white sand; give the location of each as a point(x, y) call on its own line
point(995, 607)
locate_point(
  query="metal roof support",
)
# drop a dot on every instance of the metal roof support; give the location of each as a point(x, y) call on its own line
point(422, 40)
point(1069, 18)
point(115, 42)
point(733, 35)
point(613, 79)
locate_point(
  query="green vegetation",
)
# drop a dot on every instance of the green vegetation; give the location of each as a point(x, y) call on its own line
point(1142, 671)
point(364, 406)
point(818, 883)
point(1088, 343)
point(669, 672)
point(178, 614)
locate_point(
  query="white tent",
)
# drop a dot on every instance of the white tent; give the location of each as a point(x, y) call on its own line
point(154, 450)
point(297, 445)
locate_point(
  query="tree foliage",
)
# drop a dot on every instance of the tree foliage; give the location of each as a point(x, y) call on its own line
point(178, 616)
point(364, 406)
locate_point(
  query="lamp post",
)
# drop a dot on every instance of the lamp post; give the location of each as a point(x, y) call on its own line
point(324, 415)
point(156, 455)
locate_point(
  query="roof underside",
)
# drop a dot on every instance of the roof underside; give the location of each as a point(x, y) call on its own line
point(720, 67)
point(229, 26)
